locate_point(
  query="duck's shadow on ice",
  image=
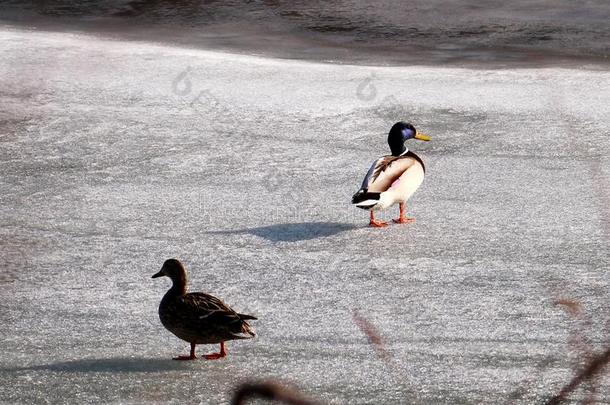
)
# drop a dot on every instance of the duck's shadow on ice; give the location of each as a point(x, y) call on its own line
point(293, 232)
point(114, 365)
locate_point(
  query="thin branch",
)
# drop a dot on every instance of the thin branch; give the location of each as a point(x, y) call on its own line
point(594, 367)
point(372, 334)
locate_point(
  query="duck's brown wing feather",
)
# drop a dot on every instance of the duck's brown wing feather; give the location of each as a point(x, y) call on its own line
point(385, 171)
point(384, 164)
point(209, 312)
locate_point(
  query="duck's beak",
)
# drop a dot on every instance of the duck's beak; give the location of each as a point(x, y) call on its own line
point(159, 274)
point(422, 137)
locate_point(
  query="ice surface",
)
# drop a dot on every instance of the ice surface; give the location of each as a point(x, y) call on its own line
point(118, 155)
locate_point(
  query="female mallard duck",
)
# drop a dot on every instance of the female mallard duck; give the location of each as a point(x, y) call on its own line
point(196, 317)
point(392, 179)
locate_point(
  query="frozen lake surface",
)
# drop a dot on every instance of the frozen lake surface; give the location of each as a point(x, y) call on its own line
point(115, 156)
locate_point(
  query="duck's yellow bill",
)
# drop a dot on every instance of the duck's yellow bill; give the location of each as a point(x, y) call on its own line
point(422, 137)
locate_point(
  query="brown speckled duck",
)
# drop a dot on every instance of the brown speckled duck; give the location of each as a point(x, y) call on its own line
point(198, 318)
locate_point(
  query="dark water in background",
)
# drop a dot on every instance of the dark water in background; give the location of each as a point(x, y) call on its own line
point(464, 32)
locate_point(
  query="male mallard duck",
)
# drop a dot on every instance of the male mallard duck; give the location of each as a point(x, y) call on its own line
point(392, 179)
point(196, 317)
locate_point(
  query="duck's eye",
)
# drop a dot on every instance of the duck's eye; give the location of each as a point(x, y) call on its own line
point(408, 133)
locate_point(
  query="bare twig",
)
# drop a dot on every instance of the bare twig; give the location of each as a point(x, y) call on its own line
point(594, 367)
point(372, 334)
point(573, 307)
point(578, 337)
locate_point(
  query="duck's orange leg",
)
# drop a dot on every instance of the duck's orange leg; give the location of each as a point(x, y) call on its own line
point(401, 218)
point(219, 355)
point(376, 224)
point(189, 357)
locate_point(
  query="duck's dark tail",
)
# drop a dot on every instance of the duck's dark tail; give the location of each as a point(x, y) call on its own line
point(365, 200)
point(246, 331)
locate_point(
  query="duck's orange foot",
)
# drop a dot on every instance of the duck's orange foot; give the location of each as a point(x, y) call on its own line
point(185, 358)
point(214, 356)
point(377, 224)
point(191, 355)
point(404, 220)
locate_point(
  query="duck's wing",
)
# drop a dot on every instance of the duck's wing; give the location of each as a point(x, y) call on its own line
point(389, 172)
point(244, 316)
point(373, 172)
point(385, 171)
point(369, 194)
point(209, 312)
point(384, 174)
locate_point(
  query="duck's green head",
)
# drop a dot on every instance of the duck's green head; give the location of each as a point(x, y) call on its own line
point(400, 133)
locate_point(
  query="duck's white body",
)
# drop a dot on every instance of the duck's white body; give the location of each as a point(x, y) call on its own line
point(390, 180)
